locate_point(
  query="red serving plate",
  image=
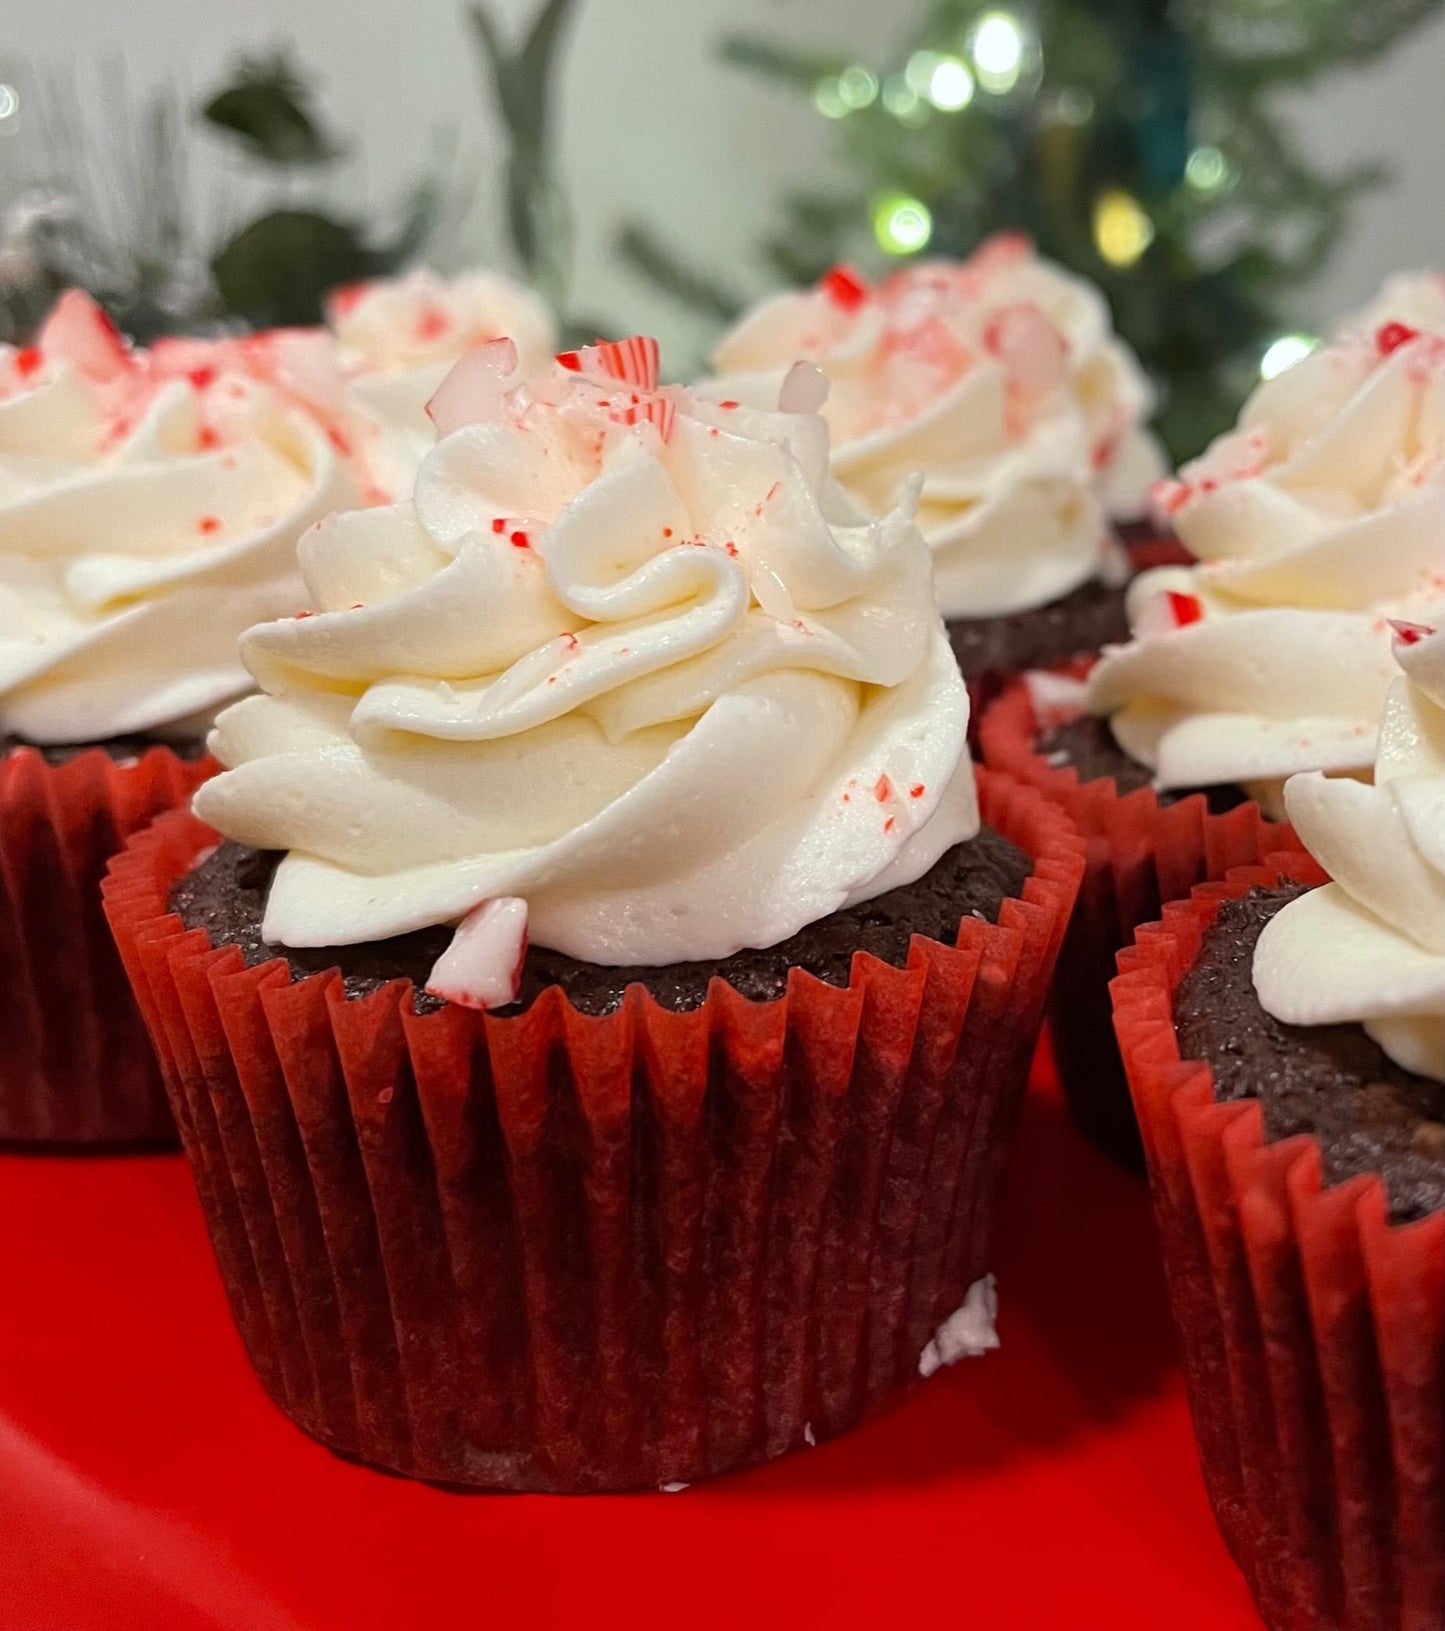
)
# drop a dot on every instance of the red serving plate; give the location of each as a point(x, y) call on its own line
point(147, 1483)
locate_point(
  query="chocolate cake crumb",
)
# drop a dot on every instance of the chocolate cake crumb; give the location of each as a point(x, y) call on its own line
point(1332, 1081)
point(226, 896)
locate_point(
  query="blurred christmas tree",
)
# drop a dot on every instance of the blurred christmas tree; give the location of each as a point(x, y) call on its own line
point(1137, 141)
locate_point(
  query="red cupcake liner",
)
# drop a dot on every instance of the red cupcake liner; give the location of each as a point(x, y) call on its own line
point(1313, 1329)
point(76, 1065)
point(561, 1252)
point(1140, 854)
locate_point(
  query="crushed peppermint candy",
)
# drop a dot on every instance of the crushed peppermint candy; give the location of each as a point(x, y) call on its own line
point(482, 968)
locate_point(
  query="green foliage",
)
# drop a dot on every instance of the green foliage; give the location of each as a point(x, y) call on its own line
point(102, 200)
point(266, 107)
point(538, 218)
point(1111, 95)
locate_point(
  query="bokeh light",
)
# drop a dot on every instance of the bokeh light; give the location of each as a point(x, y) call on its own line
point(1207, 170)
point(901, 224)
point(1122, 228)
point(996, 44)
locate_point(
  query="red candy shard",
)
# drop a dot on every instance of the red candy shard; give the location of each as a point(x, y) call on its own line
point(28, 360)
point(431, 323)
point(883, 789)
point(346, 299)
point(1410, 634)
point(657, 410)
point(520, 540)
point(209, 524)
point(1389, 337)
point(635, 361)
point(79, 331)
point(845, 287)
point(917, 790)
point(1184, 608)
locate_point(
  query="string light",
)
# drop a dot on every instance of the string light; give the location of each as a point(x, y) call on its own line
point(1284, 353)
point(858, 87)
point(828, 99)
point(902, 101)
point(901, 224)
point(996, 44)
point(1122, 228)
point(1207, 170)
point(950, 85)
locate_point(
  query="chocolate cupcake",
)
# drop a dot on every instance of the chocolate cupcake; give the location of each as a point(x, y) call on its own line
point(1316, 523)
point(599, 1040)
point(1000, 381)
point(149, 510)
point(1285, 1043)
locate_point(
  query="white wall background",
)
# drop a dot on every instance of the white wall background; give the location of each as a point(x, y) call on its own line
point(651, 122)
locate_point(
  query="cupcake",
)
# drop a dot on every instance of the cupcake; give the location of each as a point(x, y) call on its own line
point(397, 338)
point(1001, 380)
point(1314, 523)
point(598, 994)
point(148, 514)
point(1285, 1042)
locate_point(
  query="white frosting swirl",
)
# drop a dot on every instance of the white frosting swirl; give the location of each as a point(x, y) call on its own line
point(1317, 520)
point(398, 338)
point(1369, 947)
point(149, 513)
point(629, 657)
point(1000, 379)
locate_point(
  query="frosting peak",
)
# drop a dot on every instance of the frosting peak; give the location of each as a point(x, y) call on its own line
point(150, 504)
point(1316, 521)
point(1370, 946)
point(396, 339)
point(1000, 379)
point(628, 657)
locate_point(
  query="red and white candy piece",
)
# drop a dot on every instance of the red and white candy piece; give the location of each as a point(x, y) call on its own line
point(1033, 352)
point(482, 968)
point(473, 390)
point(804, 390)
point(635, 361)
point(1410, 634)
point(80, 333)
point(844, 288)
point(651, 410)
point(1167, 612)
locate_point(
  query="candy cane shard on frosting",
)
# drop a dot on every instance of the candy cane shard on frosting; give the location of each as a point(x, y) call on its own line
point(625, 678)
point(635, 361)
point(482, 967)
point(151, 500)
point(1000, 378)
point(474, 387)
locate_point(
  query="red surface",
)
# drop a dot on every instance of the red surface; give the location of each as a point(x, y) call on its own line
point(147, 1484)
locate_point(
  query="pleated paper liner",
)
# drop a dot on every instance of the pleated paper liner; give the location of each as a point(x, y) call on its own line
point(76, 1065)
point(1313, 1329)
point(1140, 854)
point(560, 1252)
